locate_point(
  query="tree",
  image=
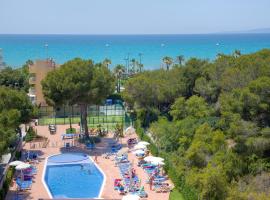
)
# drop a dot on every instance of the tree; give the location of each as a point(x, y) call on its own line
point(18, 100)
point(119, 70)
point(15, 78)
point(237, 53)
point(168, 61)
point(82, 83)
point(107, 62)
point(180, 59)
point(15, 109)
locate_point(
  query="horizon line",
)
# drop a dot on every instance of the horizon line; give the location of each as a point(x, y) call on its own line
point(136, 34)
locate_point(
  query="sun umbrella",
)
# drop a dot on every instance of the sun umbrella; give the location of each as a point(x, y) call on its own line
point(160, 163)
point(131, 197)
point(139, 146)
point(144, 143)
point(153, 159)
point(22, 166)
point(130, 130)
point(15, 163)
point(121, 152)
point(139, 152)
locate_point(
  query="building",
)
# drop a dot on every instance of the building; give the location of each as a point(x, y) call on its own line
point(2, 64)
point(38, 71)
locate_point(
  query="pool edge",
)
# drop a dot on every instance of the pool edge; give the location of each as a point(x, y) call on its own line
point(104, 178)
point(43, 176)
point(100, 170)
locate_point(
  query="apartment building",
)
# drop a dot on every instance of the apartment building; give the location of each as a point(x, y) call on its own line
point(38, 71)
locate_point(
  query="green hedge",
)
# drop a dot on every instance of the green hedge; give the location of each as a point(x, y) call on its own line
point(30, 135)
point(9, 176)
point(70, 130)
point(187, 192)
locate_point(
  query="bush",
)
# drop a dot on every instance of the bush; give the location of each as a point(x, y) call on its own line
point(30, 135)
point(70, 130)
point(18, 155)
point(91, 140)
point(4, 190)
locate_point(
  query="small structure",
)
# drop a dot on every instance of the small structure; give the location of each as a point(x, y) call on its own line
point(69, 139)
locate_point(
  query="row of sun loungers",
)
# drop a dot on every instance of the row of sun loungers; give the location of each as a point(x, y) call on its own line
point(129, 181)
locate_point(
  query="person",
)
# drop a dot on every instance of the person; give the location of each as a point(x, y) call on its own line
point(151, 182)
point(96, 157)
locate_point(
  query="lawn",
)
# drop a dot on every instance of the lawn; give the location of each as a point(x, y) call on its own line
point(176, 195)
point(93, 121)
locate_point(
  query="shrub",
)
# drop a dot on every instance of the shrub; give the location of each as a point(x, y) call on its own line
point(7, 182)
point(30, 135)
point(70, 130)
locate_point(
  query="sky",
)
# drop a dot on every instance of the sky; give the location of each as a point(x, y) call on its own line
point(132, 16)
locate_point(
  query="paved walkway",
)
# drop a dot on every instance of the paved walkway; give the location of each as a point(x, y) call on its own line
point(55, 146)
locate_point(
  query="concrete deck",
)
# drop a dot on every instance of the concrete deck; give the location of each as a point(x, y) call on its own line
point(55, 146)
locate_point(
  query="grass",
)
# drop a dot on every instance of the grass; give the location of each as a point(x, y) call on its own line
point(176, 195)
point(108, 122)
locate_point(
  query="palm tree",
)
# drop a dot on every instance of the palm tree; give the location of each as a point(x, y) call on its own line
point(237, 53)
point(118, 72)
point(107, 62)
point(133, 63)
point(140, 67)
point(167, 61)
point(180, 59)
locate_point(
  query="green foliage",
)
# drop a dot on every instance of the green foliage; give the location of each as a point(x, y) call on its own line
point(176, 195)
point(119, 130)
point(15, 108)
point(70, 130)
point(210, 120)
point(7, 183)
point(30, 135)
point(82, 82)
point(15, 78)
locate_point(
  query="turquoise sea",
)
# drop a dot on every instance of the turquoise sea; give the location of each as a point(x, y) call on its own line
point(19, 48)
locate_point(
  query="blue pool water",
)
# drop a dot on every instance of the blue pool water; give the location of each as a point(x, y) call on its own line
point(76, 180)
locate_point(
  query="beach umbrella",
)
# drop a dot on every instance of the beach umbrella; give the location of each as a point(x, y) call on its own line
point(139, 146)
point(22, 166)
point(160, 163)
point(153, 159)
point(131, 197)
point(15, 163)
point(121, 152)
point(144, 143)
point(130, 130)
point(139, 152)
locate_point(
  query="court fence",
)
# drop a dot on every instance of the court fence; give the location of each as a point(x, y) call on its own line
point(104, 116)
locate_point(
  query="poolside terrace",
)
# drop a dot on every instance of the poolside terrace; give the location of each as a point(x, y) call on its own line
point(54, 145)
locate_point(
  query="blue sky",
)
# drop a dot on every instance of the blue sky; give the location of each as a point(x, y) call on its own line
point(132, 16)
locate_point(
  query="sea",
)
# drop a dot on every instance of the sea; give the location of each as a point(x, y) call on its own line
point(120, 49)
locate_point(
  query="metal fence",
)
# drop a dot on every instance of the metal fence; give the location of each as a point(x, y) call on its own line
point(106, 116)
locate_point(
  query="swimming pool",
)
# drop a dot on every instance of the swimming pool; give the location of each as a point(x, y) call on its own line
point(73, 175)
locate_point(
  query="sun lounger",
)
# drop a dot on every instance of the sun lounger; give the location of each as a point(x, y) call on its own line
point(24, 185)
point(90, 146)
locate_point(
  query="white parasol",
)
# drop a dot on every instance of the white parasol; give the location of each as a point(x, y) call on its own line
point(139, 152)
point(144, 143)
point(15, 163)
point(157, 162)
point(22, 166)
point(131, 197)
point(121, 152)
point(153, 159)
point(140, 146)
point(130, 130)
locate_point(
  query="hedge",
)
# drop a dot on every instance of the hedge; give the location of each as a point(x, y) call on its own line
point(188, 192)
point(7, 182)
